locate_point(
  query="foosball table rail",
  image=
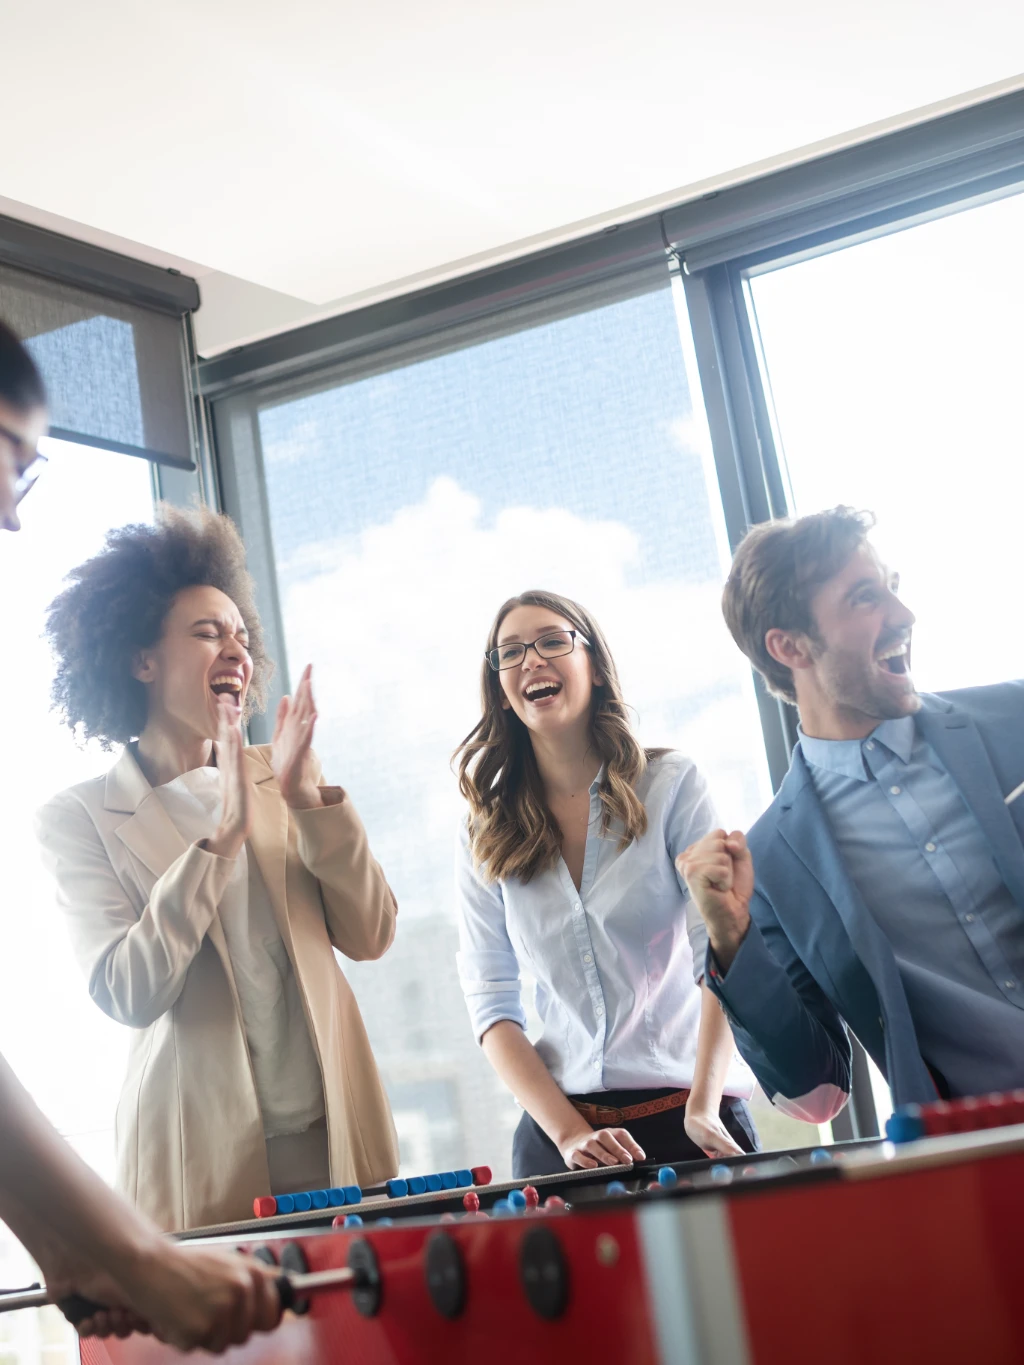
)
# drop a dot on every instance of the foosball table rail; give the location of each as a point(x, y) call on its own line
point(873, 1261)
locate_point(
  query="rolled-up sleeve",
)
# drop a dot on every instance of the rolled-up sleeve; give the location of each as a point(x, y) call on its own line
point(487, 963)
point(689, 816)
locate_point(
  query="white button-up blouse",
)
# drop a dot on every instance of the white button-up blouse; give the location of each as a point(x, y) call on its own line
point(614, 961)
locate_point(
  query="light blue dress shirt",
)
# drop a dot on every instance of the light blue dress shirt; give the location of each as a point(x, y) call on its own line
point(614, 961)
point(919, 859)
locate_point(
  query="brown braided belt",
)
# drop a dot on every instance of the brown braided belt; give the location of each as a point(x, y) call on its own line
point(605, 1116)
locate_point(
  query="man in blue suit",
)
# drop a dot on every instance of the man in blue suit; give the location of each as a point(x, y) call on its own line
point(883, 889)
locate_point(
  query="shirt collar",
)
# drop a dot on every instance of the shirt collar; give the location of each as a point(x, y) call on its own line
point(846, 756)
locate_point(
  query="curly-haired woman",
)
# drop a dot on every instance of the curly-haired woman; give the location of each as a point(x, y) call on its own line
point(86, 1242)
point(206, 883)
point(566, 868)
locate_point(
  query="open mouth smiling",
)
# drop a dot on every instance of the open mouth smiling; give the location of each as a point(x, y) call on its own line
point(541, 690)
point(227, 685)
point(895, 659)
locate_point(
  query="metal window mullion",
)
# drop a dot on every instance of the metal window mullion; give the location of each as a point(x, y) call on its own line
point(713, 300)
point(772, 464)
point(734, 369)
point(175, 483)
point(238, 455)
point(200, 423)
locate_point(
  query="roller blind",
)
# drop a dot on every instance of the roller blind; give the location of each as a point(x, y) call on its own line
point(115, 371)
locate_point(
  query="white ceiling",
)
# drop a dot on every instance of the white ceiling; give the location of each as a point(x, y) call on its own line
point(303, 158)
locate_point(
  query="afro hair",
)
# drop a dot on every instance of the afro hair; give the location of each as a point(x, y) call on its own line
point(116, 604)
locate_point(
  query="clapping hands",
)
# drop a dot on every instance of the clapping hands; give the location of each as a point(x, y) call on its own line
point(291, 748)
point(236, 793)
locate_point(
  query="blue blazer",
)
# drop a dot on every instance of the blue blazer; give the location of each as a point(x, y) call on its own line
point(814, 961)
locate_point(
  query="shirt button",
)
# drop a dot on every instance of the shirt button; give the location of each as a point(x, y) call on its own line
point(895, 791)
point(588, 958)
point(1010, 985)
point(599, 1010)
point(968, 919)
point(929, 848)
point(577, 906)
point(870, 744)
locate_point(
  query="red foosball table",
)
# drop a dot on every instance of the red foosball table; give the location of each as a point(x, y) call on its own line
point(845, 1256)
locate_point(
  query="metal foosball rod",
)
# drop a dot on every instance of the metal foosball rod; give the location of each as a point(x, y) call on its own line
point(292, 1288)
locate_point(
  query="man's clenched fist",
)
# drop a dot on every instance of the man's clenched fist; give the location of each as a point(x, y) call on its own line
point(720, 874)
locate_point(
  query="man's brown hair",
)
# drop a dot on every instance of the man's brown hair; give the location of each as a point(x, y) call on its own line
point(776, 571)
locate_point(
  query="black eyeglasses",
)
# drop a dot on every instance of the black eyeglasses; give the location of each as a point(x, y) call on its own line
point(548, 646)
point(30, 471)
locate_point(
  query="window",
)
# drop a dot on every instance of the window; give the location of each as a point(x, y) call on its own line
point(405, 505)
point(69, 1055)
point(894, 368)
point(895, 372)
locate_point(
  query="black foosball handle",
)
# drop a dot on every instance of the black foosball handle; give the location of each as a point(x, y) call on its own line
point(76, 1308)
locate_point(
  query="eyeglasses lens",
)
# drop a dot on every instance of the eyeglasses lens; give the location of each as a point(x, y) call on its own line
point(548, 647)
point(24, 484)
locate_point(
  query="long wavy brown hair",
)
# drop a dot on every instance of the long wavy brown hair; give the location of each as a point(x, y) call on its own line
point(512, 832)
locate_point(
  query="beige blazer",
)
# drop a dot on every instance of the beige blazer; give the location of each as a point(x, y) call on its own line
point(142, 909)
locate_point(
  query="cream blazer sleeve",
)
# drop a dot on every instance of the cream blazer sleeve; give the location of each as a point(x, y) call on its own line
point(359, 906)
point(135, 956)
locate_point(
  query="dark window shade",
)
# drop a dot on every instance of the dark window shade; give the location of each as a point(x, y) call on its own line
point(115, 372)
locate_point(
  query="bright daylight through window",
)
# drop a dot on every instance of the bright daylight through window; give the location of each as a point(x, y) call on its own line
point(895, 369)
point(405, 507)
point(69, 1055)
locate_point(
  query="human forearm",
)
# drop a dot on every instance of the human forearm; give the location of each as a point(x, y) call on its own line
point(787, 1030)
point(519, 1065)
point(88, 1241)
point(703, 1121)
point(50, 1197)
point(715, 1048)
point(726, 941)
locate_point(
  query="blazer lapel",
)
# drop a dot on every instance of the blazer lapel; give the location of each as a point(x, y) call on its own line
point(149, 834)
point(955, 739)
point(269, 838)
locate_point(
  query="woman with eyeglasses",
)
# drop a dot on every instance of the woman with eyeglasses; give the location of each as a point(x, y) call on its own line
point(206, 885)
point(86, 1240)
point(566, 872)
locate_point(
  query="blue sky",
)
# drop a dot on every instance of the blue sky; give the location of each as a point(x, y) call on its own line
point(590, 413)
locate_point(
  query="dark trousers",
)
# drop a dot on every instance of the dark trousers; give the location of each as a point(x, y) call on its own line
point(662, 1136)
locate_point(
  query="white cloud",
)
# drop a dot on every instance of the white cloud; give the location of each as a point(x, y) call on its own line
point(395, 621)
